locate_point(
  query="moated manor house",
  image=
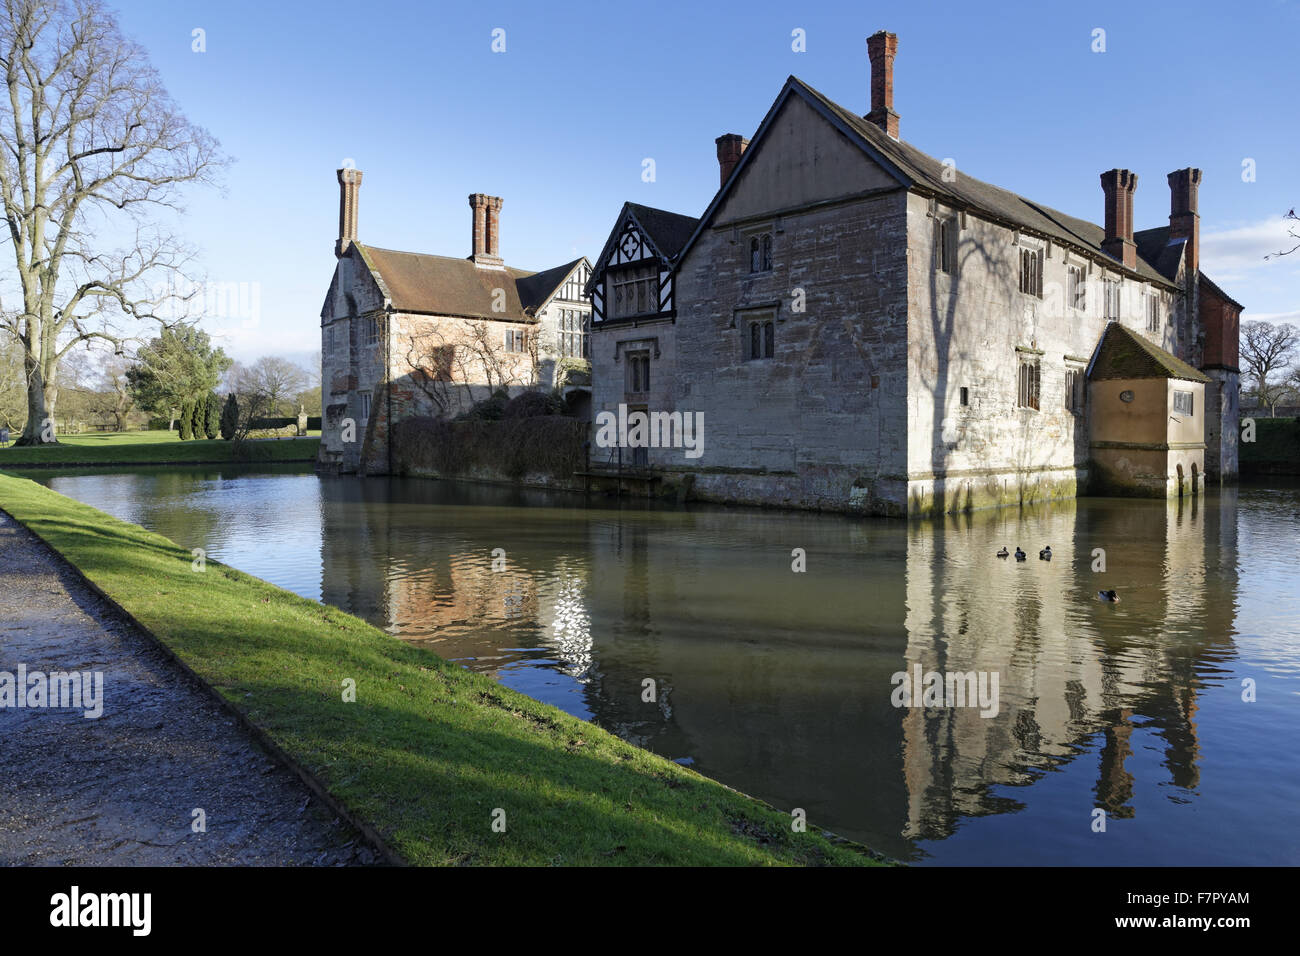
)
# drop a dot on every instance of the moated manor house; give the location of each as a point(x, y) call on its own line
point(866, 328)
point(407, 334)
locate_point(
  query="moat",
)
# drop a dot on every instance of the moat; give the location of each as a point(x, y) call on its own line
point(1171, 710)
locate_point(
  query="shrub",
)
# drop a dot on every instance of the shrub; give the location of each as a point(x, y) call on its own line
point(186, 421)
point(271, 423)
point(198, 415)
point(548, 444)
point(230, 417)
point(212, 415)
point(488, 410)
point(532, 405)
point(158, 424)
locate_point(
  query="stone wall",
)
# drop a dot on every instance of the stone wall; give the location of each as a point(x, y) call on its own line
point(610, 387)
point(970, 330)
point(822, 423)
point(352, 365)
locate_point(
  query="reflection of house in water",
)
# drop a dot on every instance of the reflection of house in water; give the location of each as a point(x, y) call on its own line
point(764, 677)
point(434, 580)
point(1070, 681)
point(779, 684)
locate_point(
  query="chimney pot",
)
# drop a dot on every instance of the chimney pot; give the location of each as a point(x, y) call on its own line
point(731, 146)
point(1184, 217)
point(349, 198)
point(1119, 185)
point(881, 48)
point(486, 230)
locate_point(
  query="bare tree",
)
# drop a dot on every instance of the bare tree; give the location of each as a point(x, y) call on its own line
point(1267, 348)
point(90, 139)
point(115, 399)
point(275, 378)
point(1292, 232)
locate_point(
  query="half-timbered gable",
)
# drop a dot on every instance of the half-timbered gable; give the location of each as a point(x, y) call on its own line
point(632, 277)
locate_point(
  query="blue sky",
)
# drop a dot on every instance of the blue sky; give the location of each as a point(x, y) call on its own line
point(559, 124)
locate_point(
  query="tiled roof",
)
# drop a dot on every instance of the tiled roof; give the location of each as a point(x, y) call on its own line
point(440, 285)
point(668, 230)
point(927, 174)
point(535, 289)
point(922, 173)
point(1154, 246)
point(1124, 353)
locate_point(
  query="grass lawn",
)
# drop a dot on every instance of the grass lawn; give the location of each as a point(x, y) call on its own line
point(1275, 450)
point(428, 751)
point(149, 447)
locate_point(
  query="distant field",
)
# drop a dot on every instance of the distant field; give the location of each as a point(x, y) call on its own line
point(152, 447)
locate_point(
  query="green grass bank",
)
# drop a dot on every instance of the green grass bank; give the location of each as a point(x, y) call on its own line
point(428, 755)
point(151, 448)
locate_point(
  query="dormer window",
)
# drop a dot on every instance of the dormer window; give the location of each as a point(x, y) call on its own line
point(760, 252)
point(634, 291)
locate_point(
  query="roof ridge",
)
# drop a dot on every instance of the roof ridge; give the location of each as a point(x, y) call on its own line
point(523, 273)
point(1167, 363)
point(905, 155)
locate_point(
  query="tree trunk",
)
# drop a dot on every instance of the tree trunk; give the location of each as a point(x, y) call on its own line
point(42, 394)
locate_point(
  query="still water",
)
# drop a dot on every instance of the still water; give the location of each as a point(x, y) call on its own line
point(780, 683)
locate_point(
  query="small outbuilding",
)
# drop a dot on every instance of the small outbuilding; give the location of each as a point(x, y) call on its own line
point(1147, 419)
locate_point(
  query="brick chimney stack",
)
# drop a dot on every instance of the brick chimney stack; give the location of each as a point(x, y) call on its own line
point(1184, 220)
point(881, 47)
point(1118, 185)
point(731, 146)
point(349, 197)
point(487, 230)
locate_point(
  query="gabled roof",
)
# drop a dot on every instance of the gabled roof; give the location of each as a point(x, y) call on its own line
point(667, 232)
point(538, 289)
point(922, 173)
point(441, 285)
point(1155, 246)
point(1123, 353)
point(1165, 254)
point(1213, 287)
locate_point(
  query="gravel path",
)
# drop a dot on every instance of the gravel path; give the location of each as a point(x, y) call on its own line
point(121, 789)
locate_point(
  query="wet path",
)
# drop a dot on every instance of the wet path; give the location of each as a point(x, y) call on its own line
point(122, 789)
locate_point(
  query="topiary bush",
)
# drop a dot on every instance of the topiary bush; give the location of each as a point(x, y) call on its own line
point(186, 421)
point(230, 417)
point(212, 415)
point(198, 425)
